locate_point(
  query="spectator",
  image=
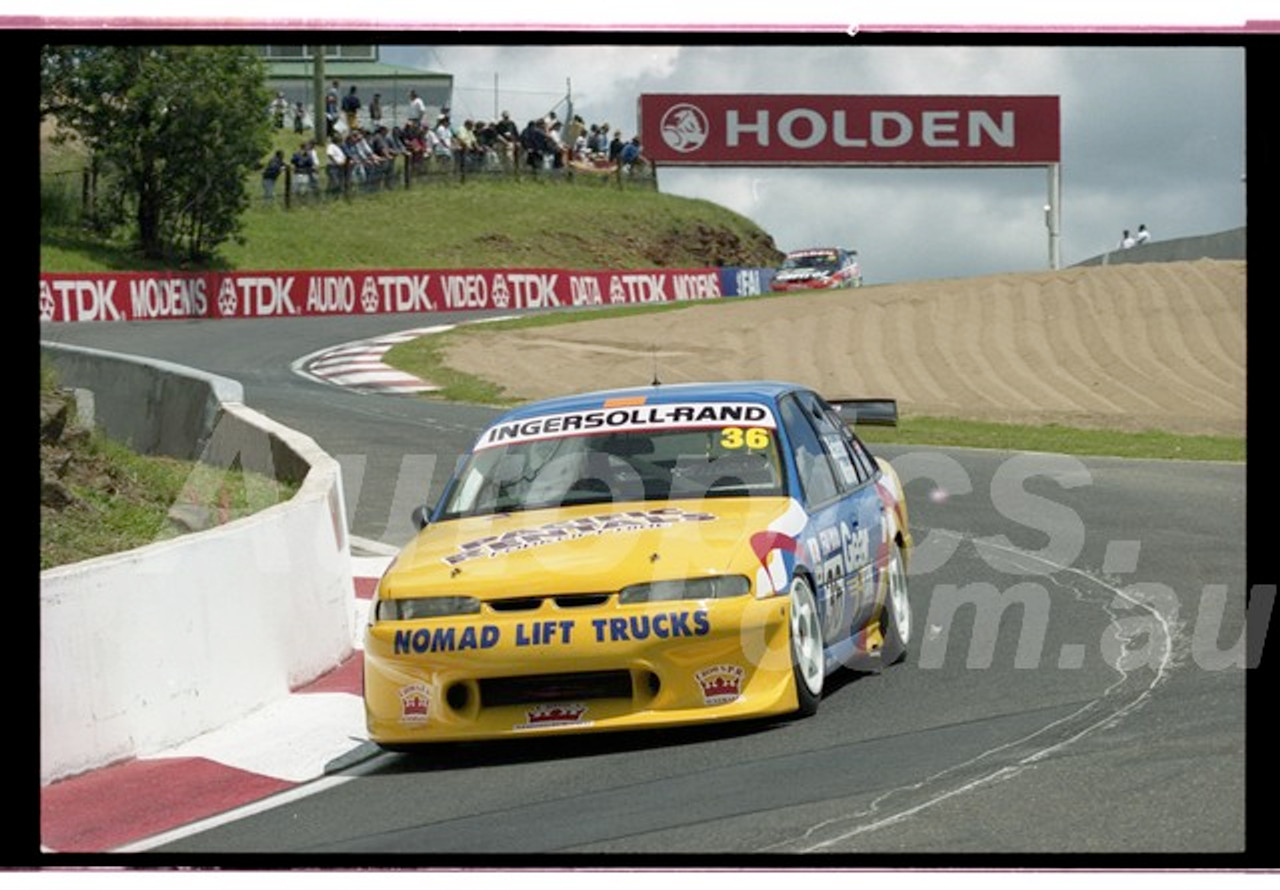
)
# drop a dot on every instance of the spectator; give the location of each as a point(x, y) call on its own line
point(443, 147)
point(1143, 235)
point(304, 168)
point(331, 108)
point(417, 108)
point(1126, 241)
point(616, 146)
point(531, 145)
point(373, 166)
point(577, 127)
point(600, 145)
point(335, 164)
point(299, 117)
point(270, 173)
point(375, 112)
point(384, 155)
point(356, 171)
point(630, 157)
point(508, 137)
point(414, 144)
point(465, 146)
point(279, 107)
point(558, 148)
point(351, 108)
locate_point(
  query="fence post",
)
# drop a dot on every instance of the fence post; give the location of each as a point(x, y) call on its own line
point(288, 186)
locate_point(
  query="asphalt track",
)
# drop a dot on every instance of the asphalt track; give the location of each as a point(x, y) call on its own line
point(1072, 689)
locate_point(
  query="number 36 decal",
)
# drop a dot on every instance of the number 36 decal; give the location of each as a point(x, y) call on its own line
point(754, 438)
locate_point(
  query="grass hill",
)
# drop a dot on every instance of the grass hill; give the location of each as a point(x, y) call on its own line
point(485, 222)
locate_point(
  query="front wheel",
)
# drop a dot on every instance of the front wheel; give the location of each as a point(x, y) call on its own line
point(806, 646)
point(895, 617)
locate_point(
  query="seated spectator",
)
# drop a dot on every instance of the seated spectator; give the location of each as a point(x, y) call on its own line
point(414, 145)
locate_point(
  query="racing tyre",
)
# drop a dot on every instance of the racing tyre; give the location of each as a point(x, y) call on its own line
point(806, 647)
point(895, 619)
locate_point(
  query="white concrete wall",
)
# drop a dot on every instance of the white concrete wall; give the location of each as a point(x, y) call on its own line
point(142, 650)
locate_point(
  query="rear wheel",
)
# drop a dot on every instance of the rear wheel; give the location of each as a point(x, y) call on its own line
point(895, 619)
point(806, 646)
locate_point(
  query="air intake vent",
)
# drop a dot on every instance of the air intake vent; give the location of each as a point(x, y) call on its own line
point(499, 691)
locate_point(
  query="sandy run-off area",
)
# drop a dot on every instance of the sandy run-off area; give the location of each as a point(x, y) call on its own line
point(1133, 347)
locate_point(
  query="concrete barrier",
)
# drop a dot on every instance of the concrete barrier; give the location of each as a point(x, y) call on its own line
point(143, 650)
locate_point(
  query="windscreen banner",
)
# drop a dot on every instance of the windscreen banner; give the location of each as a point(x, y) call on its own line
point(140, 296)
point(733, 129)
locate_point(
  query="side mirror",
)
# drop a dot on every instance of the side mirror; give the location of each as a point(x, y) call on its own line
point(419, 517)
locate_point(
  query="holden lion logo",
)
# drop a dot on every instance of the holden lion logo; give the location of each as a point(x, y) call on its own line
point(685, 128)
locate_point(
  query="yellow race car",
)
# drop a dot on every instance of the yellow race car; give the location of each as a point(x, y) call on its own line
point(641, 558)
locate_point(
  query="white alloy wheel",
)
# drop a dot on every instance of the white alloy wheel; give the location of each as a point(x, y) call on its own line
point(806, 645)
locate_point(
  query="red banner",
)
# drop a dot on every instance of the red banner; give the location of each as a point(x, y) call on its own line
point(138, 296)
point(827, 130)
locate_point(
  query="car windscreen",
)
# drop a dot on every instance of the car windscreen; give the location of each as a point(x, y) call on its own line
point(825, 260)
point(617, 467)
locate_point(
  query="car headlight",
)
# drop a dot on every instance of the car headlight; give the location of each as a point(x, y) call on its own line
point(717, 587)
point(417, 607)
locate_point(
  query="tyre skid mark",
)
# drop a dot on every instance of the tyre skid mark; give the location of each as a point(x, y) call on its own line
point(1008, 760)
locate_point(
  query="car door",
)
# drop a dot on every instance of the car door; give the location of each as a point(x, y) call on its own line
point(843, 508)
point(859, 514)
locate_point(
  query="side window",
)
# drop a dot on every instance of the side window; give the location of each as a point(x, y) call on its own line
point(835, 438)
point(863, 457)
point(814, 469)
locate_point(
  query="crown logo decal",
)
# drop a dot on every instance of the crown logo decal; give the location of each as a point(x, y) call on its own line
point(721, 683)
point(415, 701)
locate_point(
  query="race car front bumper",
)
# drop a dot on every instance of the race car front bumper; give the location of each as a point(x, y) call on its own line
point(550, 670)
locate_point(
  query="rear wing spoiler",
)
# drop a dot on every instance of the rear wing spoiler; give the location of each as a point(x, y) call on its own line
point(871, 412)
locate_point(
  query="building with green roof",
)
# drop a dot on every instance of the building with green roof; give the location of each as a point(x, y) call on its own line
point(291, 71)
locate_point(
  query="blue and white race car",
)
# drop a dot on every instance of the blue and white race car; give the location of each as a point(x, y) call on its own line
point(818, 268)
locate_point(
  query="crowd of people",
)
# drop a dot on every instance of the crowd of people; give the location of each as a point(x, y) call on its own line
point(358, 148)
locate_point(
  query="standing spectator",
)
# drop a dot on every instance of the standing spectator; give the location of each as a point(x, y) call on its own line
point(631, 158)
point(558, 148)
point(304, 168)
point(331, 108)
point(351, 108)
point(616, 146)
point(1126, 241)
point(601, 144)
point(299, 117)
point(443, 146)
point(375, 112)
point(417, 108)
point(279, 106)
point(1143, 235)
point(270, 173)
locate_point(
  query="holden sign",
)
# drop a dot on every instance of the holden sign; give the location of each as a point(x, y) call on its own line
point(829, 130)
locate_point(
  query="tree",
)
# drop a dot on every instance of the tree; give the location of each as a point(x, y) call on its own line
point(175, 128)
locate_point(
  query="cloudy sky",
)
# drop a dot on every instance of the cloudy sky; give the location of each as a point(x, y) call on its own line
point(1151, 135)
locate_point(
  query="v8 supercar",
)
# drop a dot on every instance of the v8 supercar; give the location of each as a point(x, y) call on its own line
point(818, 268)
point(641, 558)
